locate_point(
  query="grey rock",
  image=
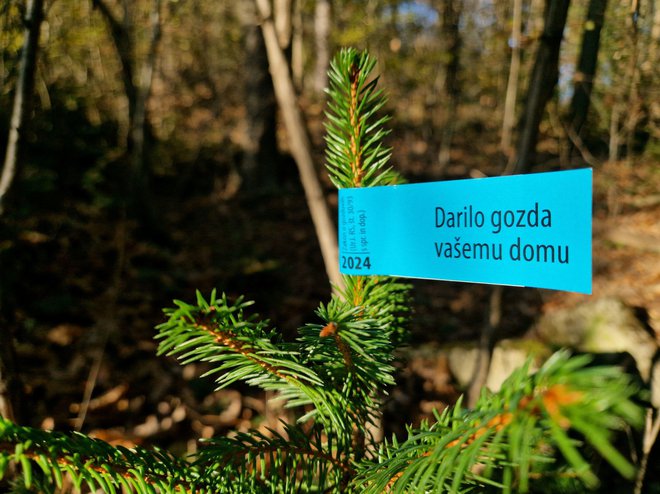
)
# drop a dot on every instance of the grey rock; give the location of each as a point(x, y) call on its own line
point(605, 325)
point(508, 355)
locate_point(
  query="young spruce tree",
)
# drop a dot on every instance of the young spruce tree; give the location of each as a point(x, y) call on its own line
point(541, 431)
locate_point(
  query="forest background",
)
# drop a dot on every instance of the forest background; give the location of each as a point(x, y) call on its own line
point(153, 160)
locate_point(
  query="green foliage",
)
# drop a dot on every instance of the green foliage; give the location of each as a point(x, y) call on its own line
point(355, 153)
point(510, 438)
point(46, 457)
point(334, 375)
point(312, 370)
point(302, 459)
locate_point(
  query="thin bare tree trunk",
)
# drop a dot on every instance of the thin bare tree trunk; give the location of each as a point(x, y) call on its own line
point(509, 117)
point(24, 85)
point(451, 14)
point(137, 92)
point(634, 107)
point(299, 144)
point(486, 344)
point(651, 431)
point(654, 46)
point(651, 74)
point(615, 133)
point(322, 53)
point(10, 383)
point(586, 68)
point(283, 23)
point(145, 83)
point(542, 83)
point(260, 152)
point(297, 57)
point(138, 167)
point(120, 31)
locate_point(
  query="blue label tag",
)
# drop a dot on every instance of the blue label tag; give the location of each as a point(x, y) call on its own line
point(523, 230)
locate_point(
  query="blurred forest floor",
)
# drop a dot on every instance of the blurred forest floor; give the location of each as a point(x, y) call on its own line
point(90, 289)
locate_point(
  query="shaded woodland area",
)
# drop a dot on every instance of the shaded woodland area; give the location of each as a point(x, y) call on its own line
point(158, 147)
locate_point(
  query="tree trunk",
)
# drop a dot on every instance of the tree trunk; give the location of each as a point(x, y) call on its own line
point(451, 14)
point(634, 106)
point(137, 95)
point(651, 74)
point(139, 169)
point(508, 119)
point(120, 32)
point(283, 23)
point(10, 383)
point(24, 86)
point(258, 166)
point(615, 133)
point(486, 346)
point(586, 68)
point(300, 145)
point(297, 57)
point(542, 83)
point(653, 58)
point(322, 53)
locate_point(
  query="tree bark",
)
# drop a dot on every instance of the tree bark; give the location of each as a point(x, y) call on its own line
point(654, 46)
point(486, 346)
point(541, 85)
point(300, 144)
point(120, 31)
point(586, 68)
point(297, 57)
point(140, 176)
point(509, 117)
point(615, 133)
point(283, 23)
point(258, 166)
point(451, 14)
point(650, 73)
point(634, 106)
point(24, 86)
point(137, 94)
point(321, 36)
point(10, 383)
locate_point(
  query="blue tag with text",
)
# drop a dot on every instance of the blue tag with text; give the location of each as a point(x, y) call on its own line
point(523, 230)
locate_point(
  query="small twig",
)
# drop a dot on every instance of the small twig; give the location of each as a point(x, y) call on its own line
point(108, 398)
point(332, 329)
point(651, 430)
point(90, 384)
point(229, 339)
point(105, 324)
point(485, 350)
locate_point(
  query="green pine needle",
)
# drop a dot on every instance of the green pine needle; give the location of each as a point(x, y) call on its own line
point(355, 153)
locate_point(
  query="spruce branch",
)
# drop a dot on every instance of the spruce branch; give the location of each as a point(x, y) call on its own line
point(242, 348)
point(355, 153)
point(367, 316)
point(381, 298)
point(47, 457)
point(509, 437)
point(219, 332)
point(353, 348)
point(303, 458)
point(357, 157)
